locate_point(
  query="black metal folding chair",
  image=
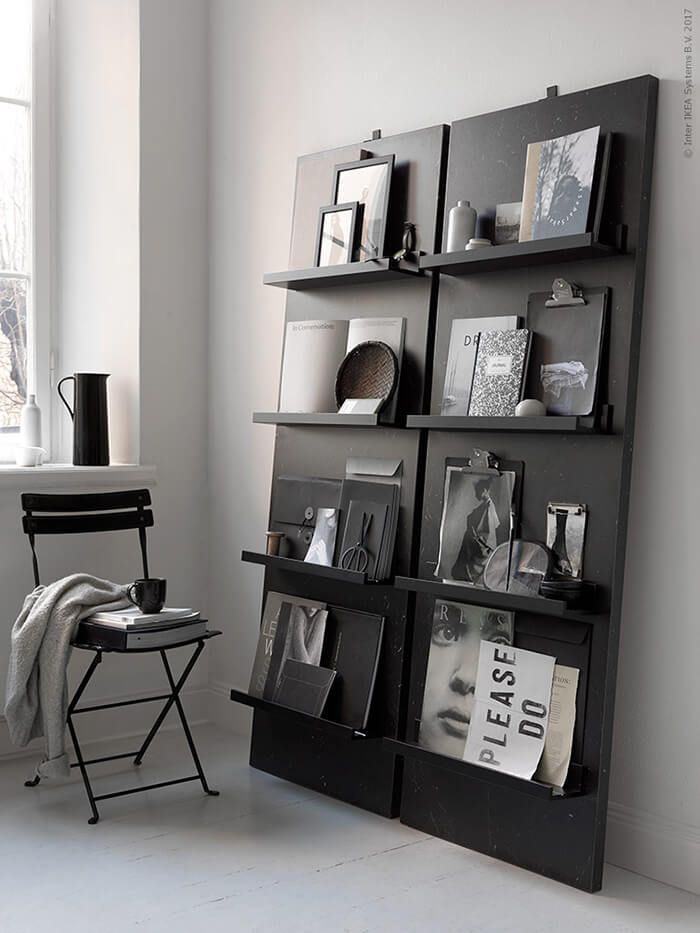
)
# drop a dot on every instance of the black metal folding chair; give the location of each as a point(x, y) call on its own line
point(48, 514)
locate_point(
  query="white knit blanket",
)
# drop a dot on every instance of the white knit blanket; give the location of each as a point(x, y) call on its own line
point(37, 688)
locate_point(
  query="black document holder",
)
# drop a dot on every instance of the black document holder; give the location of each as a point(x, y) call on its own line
point(295, 505)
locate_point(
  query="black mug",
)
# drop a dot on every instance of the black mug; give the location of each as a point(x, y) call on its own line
point(148, 594)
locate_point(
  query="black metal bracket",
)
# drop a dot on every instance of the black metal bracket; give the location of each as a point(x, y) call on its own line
point(553, 90)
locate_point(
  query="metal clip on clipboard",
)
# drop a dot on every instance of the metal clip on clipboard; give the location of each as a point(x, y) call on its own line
point(565, 294)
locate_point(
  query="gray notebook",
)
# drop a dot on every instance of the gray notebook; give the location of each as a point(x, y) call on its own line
point(501, 363)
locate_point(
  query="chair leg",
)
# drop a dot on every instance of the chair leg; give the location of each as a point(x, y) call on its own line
point(175, 689)
point(74, 737)
point(186, 726)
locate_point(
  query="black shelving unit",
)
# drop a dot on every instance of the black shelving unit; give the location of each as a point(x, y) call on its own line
point(294, 716)
point(371, 272)
point(288, 565)
point(325, 418)
point(517, 255)
point(565, 459)
point(511, 602)
point(555, 425)
point(313, 752)
point(496, 779)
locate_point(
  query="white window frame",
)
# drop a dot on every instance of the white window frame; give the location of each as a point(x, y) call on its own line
point(41, 271)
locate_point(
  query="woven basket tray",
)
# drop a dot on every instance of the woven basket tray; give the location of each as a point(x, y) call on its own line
point(370, 370)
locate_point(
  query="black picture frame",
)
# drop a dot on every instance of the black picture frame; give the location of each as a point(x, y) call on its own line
point(348, 178)
point(349, 243)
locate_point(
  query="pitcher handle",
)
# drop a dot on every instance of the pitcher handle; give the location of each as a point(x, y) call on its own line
point(63, 398)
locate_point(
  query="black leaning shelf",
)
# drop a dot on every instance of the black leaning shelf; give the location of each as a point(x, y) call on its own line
point(477, 596)
point(574, 783)
point(243, 697)
point(552, 424)
point(300, 566)
point(516, 255)
point(325, 418)
point(372, 271)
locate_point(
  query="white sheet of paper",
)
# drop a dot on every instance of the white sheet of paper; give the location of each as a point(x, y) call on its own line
point(360, 406)
point(511, 709)
point(556, 756)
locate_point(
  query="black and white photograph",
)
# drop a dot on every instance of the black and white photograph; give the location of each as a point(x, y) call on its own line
point(476, 518)
point(453, 659)
point(337, 233)
point(367, 181)
point(558, 183)
point(566, 534)
point(508, 222)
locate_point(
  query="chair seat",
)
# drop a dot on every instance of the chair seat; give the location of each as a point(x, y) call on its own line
point(109, 649)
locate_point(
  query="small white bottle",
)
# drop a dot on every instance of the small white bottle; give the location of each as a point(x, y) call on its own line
point(30, 423)
point(461, 225)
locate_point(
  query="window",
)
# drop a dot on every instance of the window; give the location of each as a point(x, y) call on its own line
point(24, 210)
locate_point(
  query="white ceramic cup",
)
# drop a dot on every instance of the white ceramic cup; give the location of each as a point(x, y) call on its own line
point(29, 456)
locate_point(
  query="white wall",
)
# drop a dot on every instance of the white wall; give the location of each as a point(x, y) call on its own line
point(97, 200)
point(293, 78)
point(132, 232)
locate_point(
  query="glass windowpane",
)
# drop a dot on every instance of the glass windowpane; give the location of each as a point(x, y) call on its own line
point(15, 48)
point(13, 351)
point(14, 188)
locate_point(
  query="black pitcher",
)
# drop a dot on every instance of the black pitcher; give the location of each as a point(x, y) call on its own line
point(90, 419)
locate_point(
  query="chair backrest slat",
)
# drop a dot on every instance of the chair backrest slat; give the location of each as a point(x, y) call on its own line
point(86, 524)
point(108, 511)
point(86, 502)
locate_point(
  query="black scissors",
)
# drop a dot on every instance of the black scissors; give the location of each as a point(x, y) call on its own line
point(356, 557)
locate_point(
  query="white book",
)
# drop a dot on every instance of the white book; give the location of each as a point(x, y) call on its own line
point(313, 351)
point(389, 330)
point(461, 359)
point(133, 618)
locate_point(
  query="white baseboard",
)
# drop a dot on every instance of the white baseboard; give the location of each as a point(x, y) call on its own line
point(234, 717)
point(661, 849)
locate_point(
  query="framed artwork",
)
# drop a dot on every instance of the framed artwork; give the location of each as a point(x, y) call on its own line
point(337, 233)
point(368, 182)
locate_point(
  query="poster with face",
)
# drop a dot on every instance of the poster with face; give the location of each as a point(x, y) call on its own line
point(453, 660)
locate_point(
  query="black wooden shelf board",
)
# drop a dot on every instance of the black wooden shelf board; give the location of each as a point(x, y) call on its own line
point(300, 566)
point(243, 697)
point(488, 775)
point(351, 273)
point(478, 596)
point(317, 417)
point(562, 424)
point(513, 255)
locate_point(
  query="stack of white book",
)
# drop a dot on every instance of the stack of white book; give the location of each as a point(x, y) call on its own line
point(131, 628)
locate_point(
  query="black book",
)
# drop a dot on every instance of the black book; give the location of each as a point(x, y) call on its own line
point(299, 636)
point(310, 636)
point(304, 687)
point(352, 647)
point(382, 499)
point(92, 633)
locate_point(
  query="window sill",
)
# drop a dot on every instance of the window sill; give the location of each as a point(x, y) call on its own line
point(63, 475)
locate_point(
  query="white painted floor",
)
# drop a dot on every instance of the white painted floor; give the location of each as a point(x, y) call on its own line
point(266, 856)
